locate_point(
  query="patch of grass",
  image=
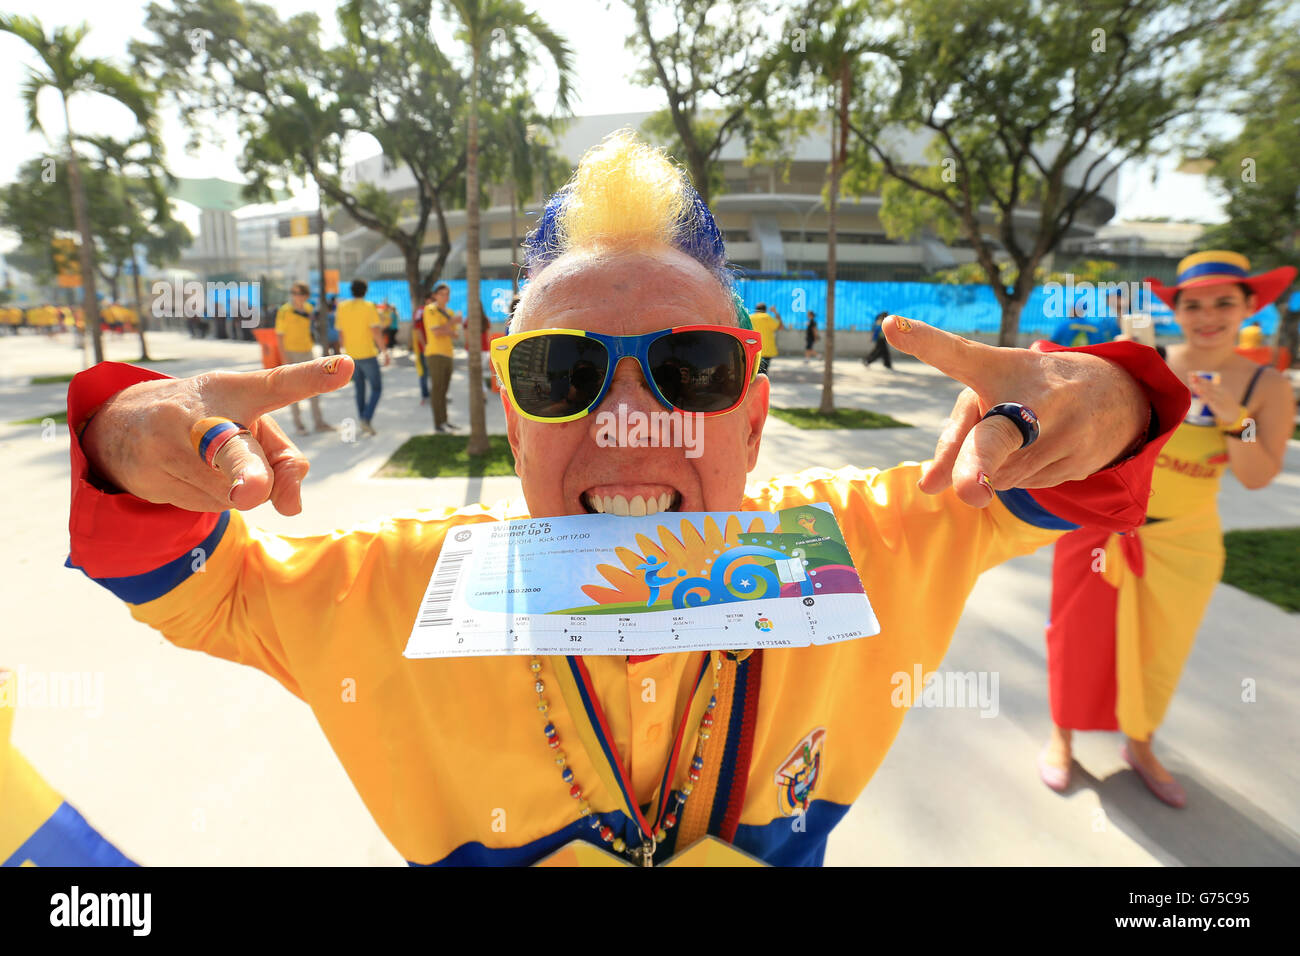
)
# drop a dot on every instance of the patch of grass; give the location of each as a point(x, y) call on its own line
point(842, 418)
point(443, 456)
point(1264, 564)
point(60, 418)
point(52, 379)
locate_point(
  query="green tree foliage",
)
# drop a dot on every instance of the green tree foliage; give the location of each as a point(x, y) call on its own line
point(706, 57)
point(1258, 171)
point(1025, 114)
point(62, 68)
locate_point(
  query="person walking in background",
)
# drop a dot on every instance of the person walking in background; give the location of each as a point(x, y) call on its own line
point(331, 330)
point(1079, 330)
point(810, 336)
point(361, 334)
point(293, 325)
point(389, 315)
point(418, 342)
point(440, 332)
point(879, 348)
point(765, 325)
point(1126, 607)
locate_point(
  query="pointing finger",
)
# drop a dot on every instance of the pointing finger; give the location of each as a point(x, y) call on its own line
point(255, 394)
point(971, 363)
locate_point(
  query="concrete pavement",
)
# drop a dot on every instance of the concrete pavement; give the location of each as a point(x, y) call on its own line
point(188, 760)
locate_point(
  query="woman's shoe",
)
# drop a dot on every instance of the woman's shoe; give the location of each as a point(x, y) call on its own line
point(1055, 778)
point(1170, 792)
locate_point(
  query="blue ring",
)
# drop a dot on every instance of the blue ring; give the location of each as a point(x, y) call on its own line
point(208, 436)
point(1021, 416)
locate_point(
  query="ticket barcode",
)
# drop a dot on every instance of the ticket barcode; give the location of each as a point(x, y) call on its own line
point(445, 578)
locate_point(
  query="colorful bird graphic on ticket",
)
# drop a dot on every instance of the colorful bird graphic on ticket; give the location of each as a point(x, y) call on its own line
point(605, 584)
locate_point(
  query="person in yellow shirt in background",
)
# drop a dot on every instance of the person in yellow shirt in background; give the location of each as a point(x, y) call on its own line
point(766, 324)
point(440, 326)
point(361, 333)
point(293, 331)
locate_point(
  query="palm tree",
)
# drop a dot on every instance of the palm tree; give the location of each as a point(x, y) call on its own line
point(65, 70)
point(481, 22)
point(136, 168)
point(839, 40)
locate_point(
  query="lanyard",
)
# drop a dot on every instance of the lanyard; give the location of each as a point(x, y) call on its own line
point(614, 772)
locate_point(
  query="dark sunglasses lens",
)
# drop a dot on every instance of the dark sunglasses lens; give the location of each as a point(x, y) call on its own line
point(553, 376)
point(699, 371)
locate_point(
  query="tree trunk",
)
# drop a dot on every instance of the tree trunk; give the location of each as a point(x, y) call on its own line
point(1009, 331)
point(827, 406)
point(89, 302)
point(139, 308)
point(478, 438)
point(514, 236)
point(1014, 304)
point(322, 326)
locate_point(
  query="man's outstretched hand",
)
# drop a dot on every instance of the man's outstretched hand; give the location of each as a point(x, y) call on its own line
point(1090, 411)
point(139, 440)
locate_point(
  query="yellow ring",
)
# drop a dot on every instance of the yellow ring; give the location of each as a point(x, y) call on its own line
point(202, 427)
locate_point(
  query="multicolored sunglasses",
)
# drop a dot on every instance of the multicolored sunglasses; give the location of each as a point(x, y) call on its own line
point(557, 375)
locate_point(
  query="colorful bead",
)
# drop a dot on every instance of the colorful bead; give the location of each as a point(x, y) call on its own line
point(670, 821)
point(660, 835)
point(594, 822)
point(561, 760)
point(553, 742)
point(706, 720)
point(543, 706)
point(535, 666)
point(549, 730)
point(688, 788)
point(567, 775)
point(697, 763)
point(713, 702)
point(704, 735)
point(606, 834)
point(575, 791)
point(585, 809)
point(695, 776)
point(619, 845)
point(539, 687)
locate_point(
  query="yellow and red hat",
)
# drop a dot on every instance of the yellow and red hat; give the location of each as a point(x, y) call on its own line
point(1217, 266)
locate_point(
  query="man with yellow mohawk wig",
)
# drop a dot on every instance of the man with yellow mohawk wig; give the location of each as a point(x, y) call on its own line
point(762, 749)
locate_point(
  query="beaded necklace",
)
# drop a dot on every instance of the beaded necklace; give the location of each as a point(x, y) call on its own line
point(643, 853)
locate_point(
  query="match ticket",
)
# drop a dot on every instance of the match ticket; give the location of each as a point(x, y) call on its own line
point(605, 584)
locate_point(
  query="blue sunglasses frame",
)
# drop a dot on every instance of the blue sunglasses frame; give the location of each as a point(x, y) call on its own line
point(620, 347)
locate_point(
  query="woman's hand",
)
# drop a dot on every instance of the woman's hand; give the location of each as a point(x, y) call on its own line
point(139, 440)
point(1222, 402)
point(1090, 411)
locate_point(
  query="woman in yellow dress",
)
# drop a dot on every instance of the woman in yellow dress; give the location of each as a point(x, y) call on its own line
point(1126, 608)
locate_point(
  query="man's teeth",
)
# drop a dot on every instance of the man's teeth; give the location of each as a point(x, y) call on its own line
point(639, 506)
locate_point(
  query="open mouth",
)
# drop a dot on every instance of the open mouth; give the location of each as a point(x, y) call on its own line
point(1211, 330)
point(636, 503)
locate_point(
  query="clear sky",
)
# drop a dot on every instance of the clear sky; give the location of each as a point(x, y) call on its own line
point(594, 28)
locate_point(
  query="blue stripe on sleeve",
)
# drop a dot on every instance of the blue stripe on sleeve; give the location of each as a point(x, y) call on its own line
point(1022, 504)
point(142, 588)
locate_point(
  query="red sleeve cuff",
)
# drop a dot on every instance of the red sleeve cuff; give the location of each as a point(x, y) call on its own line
point(117, 534)
point(1115, 499)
